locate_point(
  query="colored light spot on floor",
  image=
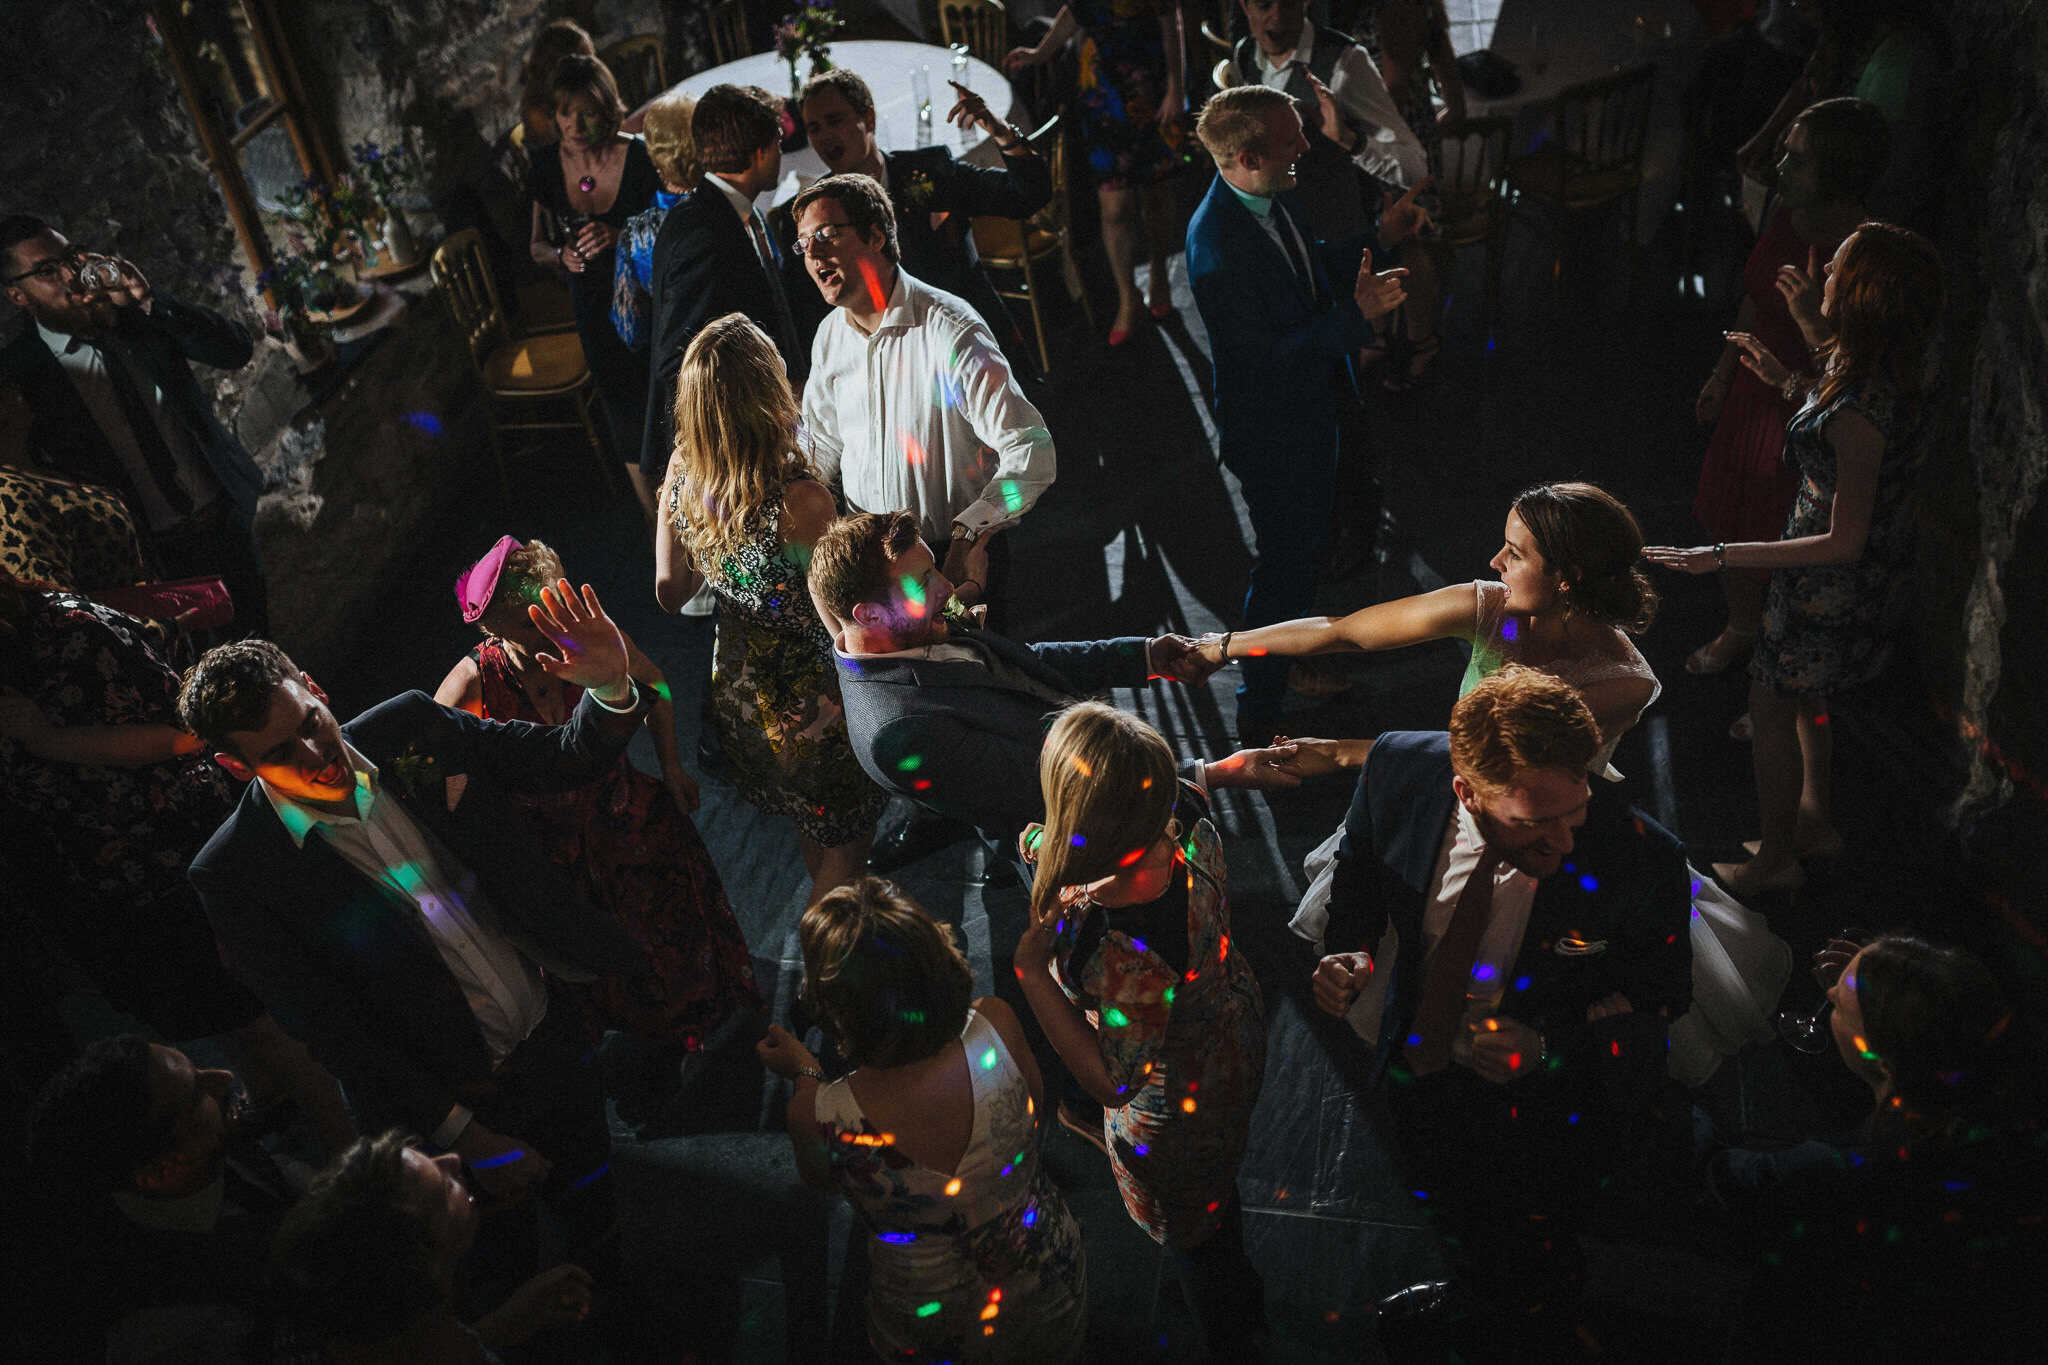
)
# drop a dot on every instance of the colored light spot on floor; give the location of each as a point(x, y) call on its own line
point(1187, 1106)
point(1522, 983)
point(909, 763)
point(988, 1060)
point(1167, 995)
point(953, 1186)
point(1589, 883)
point(1485, 971)
point(929, 1310)
point(896, 1238)
point(1142, 1150)
point(1115, 1017)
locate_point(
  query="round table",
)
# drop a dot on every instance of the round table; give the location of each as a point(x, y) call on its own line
point(888, 68)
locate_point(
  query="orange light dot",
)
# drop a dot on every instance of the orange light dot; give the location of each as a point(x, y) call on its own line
point(996, 1295)
point(1493, 1026)
point(1187, 1106)
point(989, 1312)
point(953, 1186)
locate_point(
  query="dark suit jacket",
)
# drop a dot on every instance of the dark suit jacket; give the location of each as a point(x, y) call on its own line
point(350, 962)
point(1614, 919)
point(1276, 349)
point(973, 736)
point(163, 342)
point(705, 266)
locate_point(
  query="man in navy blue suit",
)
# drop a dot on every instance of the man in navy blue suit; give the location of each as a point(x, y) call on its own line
point(1281, 338)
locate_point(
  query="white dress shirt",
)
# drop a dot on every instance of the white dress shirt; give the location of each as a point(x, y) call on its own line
point(1388, 148)
point(924, 416)
point(87, 369)
point(744, 207)
point(381, 840)
point(1514, 893)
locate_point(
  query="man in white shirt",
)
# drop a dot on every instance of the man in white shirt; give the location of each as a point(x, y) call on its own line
point(911, 406)
point(408, 932)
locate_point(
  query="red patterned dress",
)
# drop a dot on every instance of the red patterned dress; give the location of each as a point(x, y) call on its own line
point(641, 862)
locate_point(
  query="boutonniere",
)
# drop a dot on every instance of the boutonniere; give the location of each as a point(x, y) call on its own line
point(411, 770)
point(918, 189)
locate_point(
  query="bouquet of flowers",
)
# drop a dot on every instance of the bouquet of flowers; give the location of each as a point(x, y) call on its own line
point(387, 170)
point(807, 32)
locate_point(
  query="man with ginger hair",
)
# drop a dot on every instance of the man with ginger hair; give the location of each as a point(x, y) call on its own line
point(1521, 944)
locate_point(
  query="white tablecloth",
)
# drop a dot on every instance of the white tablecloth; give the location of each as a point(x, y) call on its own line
point(888, 68)
point(1555, 44)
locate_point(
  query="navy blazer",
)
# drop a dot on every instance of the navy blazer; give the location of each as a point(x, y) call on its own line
point(958, 739)
point(705, 266)
point(1277, 350)
point(1615, 918)
point(162, 342)
point(350, 962)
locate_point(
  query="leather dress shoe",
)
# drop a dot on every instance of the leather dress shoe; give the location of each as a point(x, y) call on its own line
point(1415, 1322)
point(922, 835)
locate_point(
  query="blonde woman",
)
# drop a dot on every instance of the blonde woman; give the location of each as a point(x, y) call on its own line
point(740, 508)
point(1127, 964)
point(665, 127)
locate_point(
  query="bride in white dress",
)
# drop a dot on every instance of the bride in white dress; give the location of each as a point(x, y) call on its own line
point(1569, 597)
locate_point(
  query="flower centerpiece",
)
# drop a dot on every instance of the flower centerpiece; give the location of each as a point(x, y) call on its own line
point(385, 173)
point(326, 228)
point(807, 31)
point(287, 281)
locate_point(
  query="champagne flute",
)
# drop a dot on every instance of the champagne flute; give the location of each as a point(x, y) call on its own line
point(1811, 1033)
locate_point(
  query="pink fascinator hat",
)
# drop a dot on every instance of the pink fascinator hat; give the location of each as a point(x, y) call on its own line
point(479, 582)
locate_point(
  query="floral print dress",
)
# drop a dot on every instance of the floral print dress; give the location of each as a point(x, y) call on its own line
point(775, 692)
point(983, 1262)
point(1825, 625)
point(1190, 1042)
point(641, 862)
point(1121, 82)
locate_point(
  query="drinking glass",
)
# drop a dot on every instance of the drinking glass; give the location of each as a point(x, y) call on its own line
point(921, 94)
point(1810, 1032)
point(96, 274)
point(960, 55)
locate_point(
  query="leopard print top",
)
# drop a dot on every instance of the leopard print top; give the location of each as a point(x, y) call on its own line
point(74, 535)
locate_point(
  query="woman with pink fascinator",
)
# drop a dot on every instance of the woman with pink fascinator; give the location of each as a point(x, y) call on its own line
point(629, 835)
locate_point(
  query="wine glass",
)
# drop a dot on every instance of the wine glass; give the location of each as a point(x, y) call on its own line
point(1811, 1032)
point(97, 274)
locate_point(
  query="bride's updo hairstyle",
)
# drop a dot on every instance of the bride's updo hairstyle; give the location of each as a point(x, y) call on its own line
point(1590, 539)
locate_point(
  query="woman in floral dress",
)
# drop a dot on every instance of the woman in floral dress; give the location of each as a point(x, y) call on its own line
point(628, 835)
point(1839, 569)
point(1127, 964)
point(740, 508)
point(932, 1138)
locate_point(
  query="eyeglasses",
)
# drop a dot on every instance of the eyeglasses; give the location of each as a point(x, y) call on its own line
point(50, 269)
point(825, 235)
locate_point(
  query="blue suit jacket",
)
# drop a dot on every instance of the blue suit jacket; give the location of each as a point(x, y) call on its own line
point(352, 963)
point(1616, 918)
point(959, 739)
point(1276, 349)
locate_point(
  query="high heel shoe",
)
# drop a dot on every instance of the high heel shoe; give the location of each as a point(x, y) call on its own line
point(1119, 335)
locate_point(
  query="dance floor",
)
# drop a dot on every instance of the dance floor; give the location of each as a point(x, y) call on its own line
point(1145, 532)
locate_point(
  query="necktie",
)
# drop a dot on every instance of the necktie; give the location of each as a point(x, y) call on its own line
point(1442, 1007)
point(149, 438)
point(771, 266)
point(763, 245)
point(1290, 242)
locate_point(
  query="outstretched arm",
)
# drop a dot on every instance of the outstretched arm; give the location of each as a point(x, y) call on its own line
point(1447, 613)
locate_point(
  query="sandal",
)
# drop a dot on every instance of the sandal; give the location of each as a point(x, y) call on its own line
point(1721, 653)
point(1419, 372)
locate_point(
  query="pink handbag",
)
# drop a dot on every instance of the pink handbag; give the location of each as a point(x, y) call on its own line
point(207, 598)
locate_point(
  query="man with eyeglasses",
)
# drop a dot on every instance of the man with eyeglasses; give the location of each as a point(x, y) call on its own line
point(911, 407)
point(107, 374)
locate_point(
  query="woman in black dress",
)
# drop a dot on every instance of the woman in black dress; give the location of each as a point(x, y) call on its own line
point(584, 188)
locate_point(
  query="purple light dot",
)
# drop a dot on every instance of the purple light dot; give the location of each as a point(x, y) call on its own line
point(1483, 972)
point(1589, 882)
point(1508, 629)
point(1521, 983)
point(1142, 1150)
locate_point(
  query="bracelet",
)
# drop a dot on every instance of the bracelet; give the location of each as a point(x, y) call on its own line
point(811, 1071)
point(632, 699)
point(1721, 554)
point(1226, 645)
point(1791, 389)
point(1017, 139)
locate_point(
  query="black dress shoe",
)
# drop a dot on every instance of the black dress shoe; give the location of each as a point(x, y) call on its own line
point(922, 835)
point(1418, 1322)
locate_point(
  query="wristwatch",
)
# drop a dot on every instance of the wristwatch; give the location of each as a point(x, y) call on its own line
point(964, 535)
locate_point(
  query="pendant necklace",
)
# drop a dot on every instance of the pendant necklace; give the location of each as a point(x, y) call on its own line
point(587, 184)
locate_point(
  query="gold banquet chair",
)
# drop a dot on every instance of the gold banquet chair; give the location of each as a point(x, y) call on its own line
point(1019, 244)
point(1594, 153)
point(984, 25)
point(516, 370)
point(1472, 195)
point(636, 63)
point(728, 24)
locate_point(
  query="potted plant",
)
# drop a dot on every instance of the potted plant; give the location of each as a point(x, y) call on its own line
point(805, 32)
point(386, 173)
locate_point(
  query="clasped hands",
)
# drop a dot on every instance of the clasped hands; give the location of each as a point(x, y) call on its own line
point(591, 240)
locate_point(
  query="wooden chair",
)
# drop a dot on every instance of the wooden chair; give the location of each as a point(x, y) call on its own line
point(1594, 153)
point(515, 369)
point(636, 64)
point(728, 23)
point(1472, 194)
point(984, 25)
point(1012, 244)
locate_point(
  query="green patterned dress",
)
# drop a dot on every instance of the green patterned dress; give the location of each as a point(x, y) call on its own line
point(775, 694)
